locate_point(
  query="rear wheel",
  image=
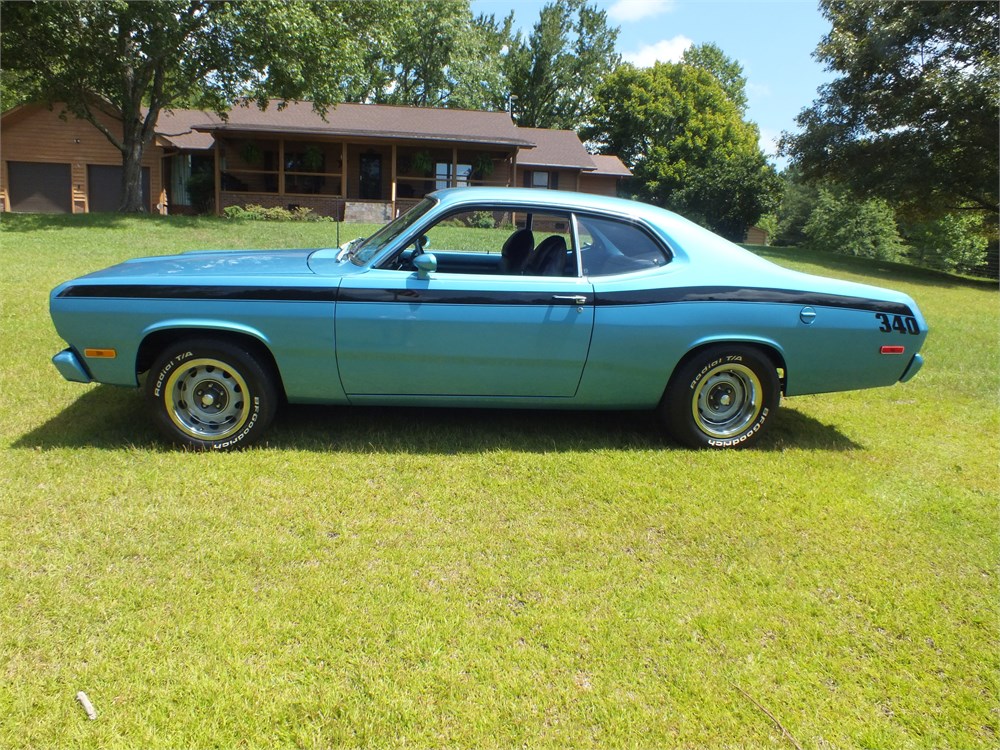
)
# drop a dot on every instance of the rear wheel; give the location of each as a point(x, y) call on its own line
point(211, 395)
point(722, 397)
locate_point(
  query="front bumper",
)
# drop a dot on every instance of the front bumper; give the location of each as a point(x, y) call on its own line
point(70, 367)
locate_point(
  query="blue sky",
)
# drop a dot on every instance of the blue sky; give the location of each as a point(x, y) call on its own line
point(772, 39)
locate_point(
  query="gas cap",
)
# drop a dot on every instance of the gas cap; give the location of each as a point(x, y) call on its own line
point(808, 315)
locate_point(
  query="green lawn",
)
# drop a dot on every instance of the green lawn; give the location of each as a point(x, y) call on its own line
point(390, 577)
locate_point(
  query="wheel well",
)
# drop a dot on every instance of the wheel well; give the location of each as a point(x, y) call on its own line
point(157, 341)
point(772, 354)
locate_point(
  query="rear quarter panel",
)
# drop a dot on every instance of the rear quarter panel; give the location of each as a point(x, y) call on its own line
point(637, 344)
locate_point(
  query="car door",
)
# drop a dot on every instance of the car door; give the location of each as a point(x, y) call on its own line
point(462, 334)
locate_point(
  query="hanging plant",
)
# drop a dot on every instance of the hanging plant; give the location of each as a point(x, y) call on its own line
point(312, 159)
point(422, 163)
point(482, 166)
point(250, 153)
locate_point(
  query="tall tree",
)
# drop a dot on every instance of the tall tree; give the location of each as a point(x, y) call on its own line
point(131, 60)
point(424, 39)
point(553, 73)
point(476, 72)
point(727, 71)
point(434, 53)
point(912, 116)
point(687, 145)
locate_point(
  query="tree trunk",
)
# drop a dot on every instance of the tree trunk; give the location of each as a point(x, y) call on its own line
point(132, 202)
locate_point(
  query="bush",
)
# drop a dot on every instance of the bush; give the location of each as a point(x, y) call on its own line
point(255, 212)
point(849, 227)
point(201, 190)
point(482, 220)
point(952, 243)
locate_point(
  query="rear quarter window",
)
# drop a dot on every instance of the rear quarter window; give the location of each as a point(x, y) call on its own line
point(610, 246)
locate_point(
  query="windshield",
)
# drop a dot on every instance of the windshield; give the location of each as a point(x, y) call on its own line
point(364, 252)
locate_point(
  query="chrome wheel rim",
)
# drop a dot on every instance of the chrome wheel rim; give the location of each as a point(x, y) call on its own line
point(727, 400)
point(207, 399)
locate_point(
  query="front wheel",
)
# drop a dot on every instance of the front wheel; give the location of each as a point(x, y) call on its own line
point(211, 395)
point(722, 397)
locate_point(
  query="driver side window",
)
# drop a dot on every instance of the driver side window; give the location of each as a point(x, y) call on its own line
point(500, 242)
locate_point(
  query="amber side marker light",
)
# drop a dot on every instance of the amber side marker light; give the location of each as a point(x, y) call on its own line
point(100, 353)
point(892, 350)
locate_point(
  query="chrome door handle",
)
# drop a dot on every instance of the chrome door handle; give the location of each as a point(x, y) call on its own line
point(577, 299)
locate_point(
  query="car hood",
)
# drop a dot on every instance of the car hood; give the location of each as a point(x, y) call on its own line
point(212, 265)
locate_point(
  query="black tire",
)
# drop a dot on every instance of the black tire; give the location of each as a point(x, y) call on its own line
point(722, 397)
point(211, 395)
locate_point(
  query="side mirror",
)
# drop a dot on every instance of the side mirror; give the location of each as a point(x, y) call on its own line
point(426, 264)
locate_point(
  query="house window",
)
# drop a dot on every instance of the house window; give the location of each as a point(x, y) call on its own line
point(542, 179)
point(442, 175)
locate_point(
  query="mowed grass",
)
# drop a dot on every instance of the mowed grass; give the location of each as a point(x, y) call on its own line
point(446, 578)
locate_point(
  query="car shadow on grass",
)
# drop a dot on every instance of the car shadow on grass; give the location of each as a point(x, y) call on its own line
point(112, 418)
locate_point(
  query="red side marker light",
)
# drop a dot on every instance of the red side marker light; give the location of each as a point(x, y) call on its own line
point(892, 350)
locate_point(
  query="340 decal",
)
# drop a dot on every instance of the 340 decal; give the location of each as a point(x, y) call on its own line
point(898, 323)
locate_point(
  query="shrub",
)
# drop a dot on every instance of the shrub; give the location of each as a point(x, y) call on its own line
point(850, 227)
point(482, 220)
point(255, 212)
point(952, 243)
point(201, 189)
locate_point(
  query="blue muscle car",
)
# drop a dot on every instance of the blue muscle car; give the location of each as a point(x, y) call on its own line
point(487, 297)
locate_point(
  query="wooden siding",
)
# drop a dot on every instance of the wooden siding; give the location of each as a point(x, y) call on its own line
point(566, 179)
point(755, 236)
point(599, 184)
point(37, 134)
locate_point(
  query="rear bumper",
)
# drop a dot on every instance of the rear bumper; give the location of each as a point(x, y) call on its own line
point(71, 368)
point(913, 368)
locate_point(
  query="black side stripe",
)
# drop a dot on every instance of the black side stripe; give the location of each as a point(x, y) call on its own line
point(163, 291)
point(749, 294)
point(477, 297)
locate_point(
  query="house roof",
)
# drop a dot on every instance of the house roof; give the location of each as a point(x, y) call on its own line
point(376, 121)
point(176, 127)
point(555, 148)
point(610, 165)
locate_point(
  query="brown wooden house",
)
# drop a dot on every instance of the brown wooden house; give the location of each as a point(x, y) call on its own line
point(359, 161)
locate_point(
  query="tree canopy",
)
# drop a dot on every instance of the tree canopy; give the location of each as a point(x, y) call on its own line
point(553, 73)
point(727, 71)
point(434, 53)
point(687, 144)
point(912, 116)
point(134, 59)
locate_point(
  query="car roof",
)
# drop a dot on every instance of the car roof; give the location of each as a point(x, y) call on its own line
point(555, 199)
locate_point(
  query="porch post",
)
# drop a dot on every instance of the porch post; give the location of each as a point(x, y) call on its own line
point(218, 177)
point(454, 166)
point(392, 196)
point(281, 168)
point(343, 170)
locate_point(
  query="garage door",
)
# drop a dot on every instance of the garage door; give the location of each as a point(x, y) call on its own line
point(104, 187)
point(40, 188)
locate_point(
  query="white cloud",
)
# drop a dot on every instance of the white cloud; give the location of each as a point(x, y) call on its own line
point(769, 141)
point(758, 89)
point(634, 10)
point(666, 50)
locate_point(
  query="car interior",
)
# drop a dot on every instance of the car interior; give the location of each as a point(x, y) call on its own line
point(478, 242)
